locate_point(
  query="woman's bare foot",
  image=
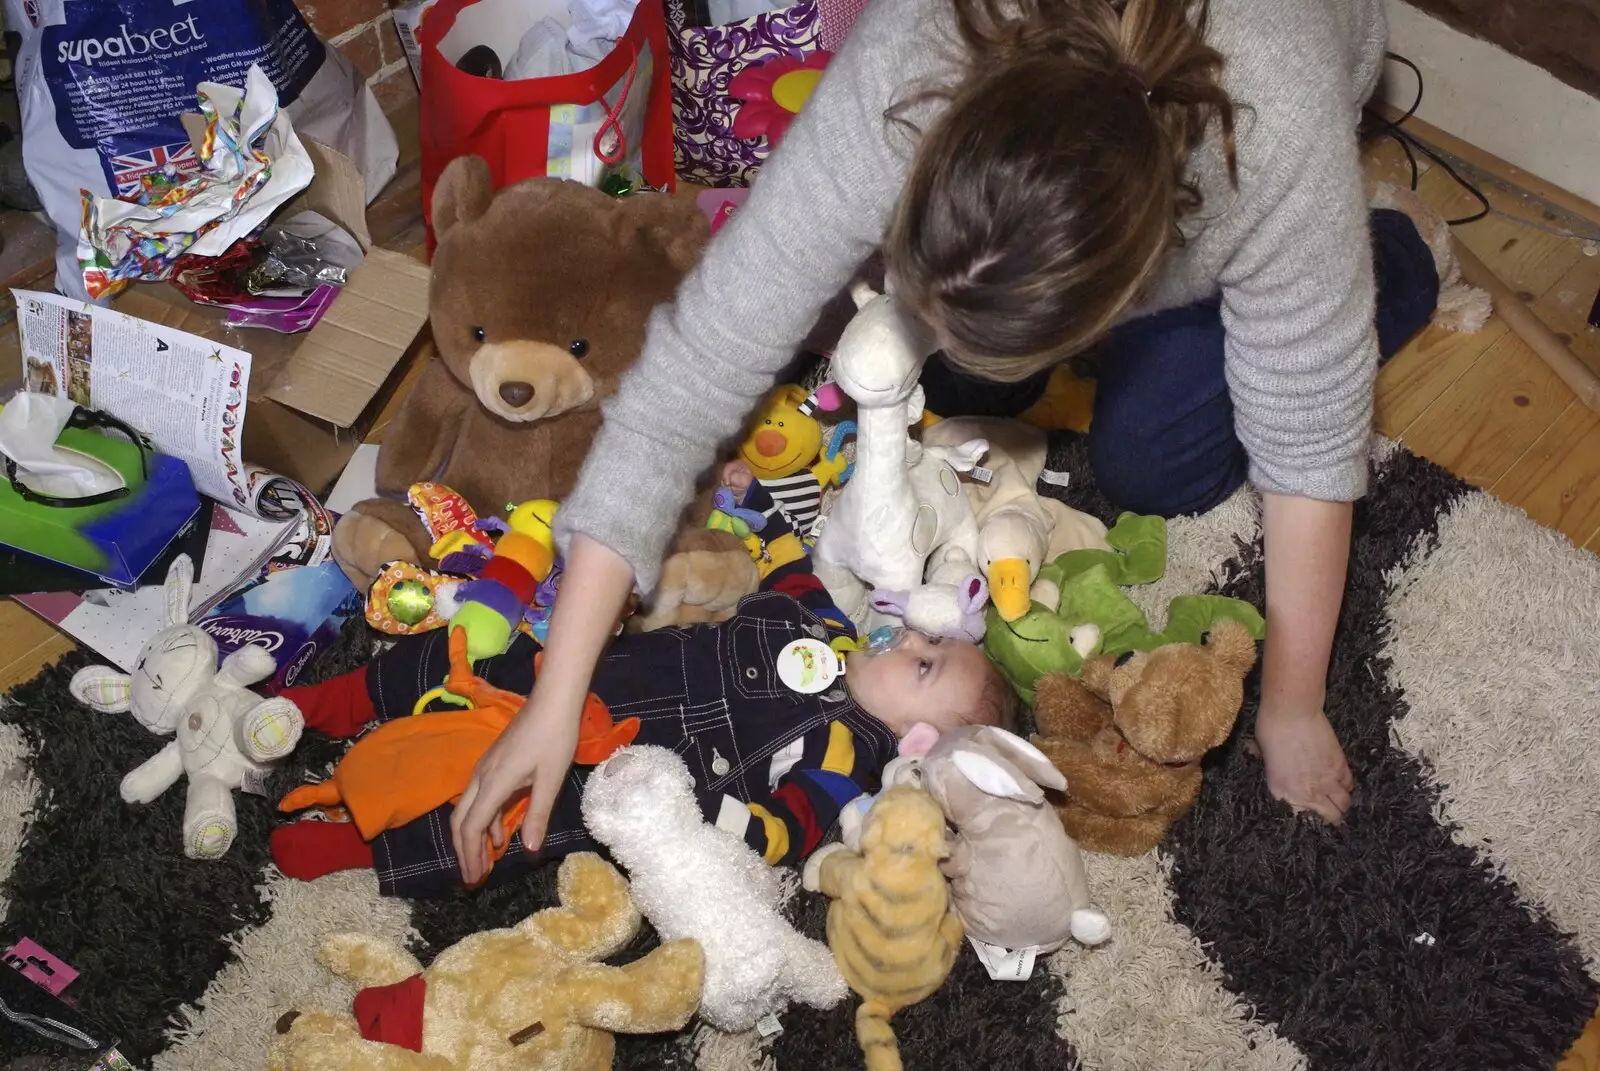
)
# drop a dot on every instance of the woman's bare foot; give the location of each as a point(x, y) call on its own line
point(1306, 767)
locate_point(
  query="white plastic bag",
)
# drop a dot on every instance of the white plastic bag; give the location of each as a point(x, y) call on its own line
point(102, 84)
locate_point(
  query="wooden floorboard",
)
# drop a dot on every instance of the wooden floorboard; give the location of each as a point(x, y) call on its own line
point(1585, 1052)
point(1483, 405)
point(1566, 305)
point(1416, 376)
point(1557, 481)
point(1486, 420)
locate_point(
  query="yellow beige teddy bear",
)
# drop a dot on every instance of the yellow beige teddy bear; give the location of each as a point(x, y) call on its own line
point(534, 997)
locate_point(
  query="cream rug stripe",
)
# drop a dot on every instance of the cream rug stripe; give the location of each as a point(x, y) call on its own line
point(1495, 639)
point(1152, 998)
point(19, 793)
point(274, 969)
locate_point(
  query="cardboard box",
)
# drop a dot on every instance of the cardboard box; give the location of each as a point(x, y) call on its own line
point(314, 395)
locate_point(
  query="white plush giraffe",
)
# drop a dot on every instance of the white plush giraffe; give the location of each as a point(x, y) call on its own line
point(904, 505)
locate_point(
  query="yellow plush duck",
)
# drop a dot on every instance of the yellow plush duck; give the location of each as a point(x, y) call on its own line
point(1018, 529)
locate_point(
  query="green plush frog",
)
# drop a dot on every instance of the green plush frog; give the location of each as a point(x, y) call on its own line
point(1079, 610)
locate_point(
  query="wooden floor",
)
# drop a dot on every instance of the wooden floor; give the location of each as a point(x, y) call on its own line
point(1483, 405)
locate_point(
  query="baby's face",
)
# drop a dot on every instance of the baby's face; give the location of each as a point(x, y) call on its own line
point(933, 680)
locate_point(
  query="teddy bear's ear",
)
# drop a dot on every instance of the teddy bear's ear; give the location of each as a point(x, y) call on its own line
point(462, 193)
point(180, 582)
point(673, 225)
point(102, 688)
point(1097, 674)
point(1232, 645)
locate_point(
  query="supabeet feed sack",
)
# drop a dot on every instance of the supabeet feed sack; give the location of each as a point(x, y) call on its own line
point(102, 85)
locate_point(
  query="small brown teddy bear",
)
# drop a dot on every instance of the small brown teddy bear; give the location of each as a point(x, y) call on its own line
point(531, 998)
point(538, 301)
point(1130, 734)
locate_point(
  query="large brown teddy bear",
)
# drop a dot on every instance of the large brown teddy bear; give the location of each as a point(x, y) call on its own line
point(1129, 736)
point(538, 301)
point(535, 997)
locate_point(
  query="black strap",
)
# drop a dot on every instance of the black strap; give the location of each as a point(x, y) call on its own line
point(84, 419)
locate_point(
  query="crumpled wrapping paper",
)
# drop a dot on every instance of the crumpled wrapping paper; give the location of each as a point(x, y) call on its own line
point(251, 163)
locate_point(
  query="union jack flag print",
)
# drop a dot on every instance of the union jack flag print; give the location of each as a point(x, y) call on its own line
point(127, 169)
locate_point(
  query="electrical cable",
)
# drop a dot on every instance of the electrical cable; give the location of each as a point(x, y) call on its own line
point(1392, 129)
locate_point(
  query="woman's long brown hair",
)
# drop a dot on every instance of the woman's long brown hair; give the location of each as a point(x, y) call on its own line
point(1043, 197)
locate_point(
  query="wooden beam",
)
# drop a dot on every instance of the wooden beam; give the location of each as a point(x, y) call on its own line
point(1532, 330)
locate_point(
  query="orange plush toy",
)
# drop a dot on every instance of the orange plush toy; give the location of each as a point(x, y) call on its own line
point(407, 767)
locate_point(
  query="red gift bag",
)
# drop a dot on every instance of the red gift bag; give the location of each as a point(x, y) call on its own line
point(615, 117)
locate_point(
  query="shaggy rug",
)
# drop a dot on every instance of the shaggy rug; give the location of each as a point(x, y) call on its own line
point(1453, 921)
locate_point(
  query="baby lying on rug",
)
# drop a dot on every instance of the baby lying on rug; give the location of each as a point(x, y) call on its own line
point(773, 760)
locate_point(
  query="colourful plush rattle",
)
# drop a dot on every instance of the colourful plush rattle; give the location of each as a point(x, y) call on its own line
point(509, 568)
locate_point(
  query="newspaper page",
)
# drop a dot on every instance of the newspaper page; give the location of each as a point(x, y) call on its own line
point(187, 393)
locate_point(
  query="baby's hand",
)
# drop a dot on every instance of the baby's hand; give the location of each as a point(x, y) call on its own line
point(811, 874)
point(737, 477)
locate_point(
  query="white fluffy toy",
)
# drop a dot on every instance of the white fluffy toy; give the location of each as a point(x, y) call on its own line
point(691, 879)
point(226, 735)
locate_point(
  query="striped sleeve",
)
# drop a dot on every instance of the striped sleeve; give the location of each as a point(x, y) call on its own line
point(811, 780)
point(794, 577)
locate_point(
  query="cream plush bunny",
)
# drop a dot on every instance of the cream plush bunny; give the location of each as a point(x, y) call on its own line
point(904, 508)
point(225, 733)
point(1016, 878)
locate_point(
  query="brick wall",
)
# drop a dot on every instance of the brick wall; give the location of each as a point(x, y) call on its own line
point(1562, 36)
point(364, 31)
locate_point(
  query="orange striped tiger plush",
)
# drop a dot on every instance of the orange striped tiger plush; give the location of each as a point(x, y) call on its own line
point(890, 925)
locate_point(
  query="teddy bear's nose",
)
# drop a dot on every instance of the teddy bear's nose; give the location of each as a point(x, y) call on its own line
point(517, 393)
point(770, 443)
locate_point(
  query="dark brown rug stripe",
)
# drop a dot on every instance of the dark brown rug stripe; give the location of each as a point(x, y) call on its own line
point(1316, 926)
point(106, 887)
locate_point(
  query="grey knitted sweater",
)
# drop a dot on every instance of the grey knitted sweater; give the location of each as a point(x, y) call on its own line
point(1288, 251)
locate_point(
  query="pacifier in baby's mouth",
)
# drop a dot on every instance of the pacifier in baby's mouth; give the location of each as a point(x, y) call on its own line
point(884, 638)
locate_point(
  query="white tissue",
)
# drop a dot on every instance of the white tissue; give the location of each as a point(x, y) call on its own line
point(30, 424)
point(548, 48)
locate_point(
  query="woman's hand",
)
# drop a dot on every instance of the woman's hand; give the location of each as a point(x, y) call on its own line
point(536, 750)
point(533, 754)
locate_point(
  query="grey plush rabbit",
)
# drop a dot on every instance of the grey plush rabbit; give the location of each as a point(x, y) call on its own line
point(224, 733)
point(1016, 878)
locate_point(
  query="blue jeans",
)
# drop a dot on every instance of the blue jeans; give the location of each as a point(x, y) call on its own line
point(1162, 440)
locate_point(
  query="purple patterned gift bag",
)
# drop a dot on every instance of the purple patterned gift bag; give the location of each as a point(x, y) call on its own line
point(705, 60)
